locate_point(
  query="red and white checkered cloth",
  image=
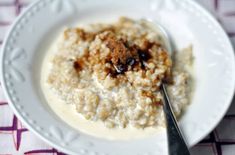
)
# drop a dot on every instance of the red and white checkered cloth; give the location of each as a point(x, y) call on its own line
point(15, 139)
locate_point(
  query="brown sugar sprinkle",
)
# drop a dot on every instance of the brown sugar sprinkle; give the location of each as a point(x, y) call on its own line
point(123, 56)
point(148, 45)
point(85, 36)
point(78, 65)
point(147, 94)
point(118, 50)
point(157, 103)
point(152, 96)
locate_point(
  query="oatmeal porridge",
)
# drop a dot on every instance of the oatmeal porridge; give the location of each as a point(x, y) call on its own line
point(111, 75)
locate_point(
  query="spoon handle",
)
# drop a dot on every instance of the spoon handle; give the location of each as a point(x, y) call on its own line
point(176, 143)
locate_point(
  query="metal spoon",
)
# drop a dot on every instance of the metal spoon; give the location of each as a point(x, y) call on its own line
point(176, 143)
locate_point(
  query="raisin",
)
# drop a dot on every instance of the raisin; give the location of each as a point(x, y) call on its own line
point(142, 65)
point(130, 61)
point(143, 55)
point(77, 65)
point(113, 74)
point(120, 68)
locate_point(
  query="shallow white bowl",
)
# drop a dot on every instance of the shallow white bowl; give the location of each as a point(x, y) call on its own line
point(187, 23)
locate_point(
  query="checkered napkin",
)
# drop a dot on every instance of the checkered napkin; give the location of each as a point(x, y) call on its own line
point(15, 139)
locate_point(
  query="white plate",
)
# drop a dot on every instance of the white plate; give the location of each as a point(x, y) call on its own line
point(186, 22)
